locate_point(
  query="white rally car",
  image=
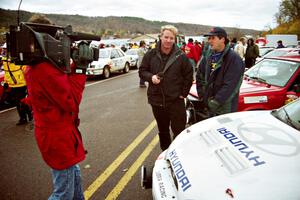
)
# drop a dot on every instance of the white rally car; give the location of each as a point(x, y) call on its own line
point(251, 155)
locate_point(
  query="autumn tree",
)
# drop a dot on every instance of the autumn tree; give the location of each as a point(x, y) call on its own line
point(287, 18)
point(289, 11)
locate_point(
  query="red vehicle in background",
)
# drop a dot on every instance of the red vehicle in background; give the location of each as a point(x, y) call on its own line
point(1, 81)
point(269, 84)
point(5, 97)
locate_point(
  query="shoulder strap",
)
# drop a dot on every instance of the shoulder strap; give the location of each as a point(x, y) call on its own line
point(10, 73)
point(172, 60)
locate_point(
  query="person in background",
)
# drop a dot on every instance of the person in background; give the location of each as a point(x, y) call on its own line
point(170, 74)
point(14, 78)
point(153, 45)
point(279, 44)
point(240, 48)
point(123, 48)
point(219, 75)
point(233, 43)
point(183, 47)
point(134, 46)
point(55, 97)
point(252, 52)
point(198, 49)
point(141, 52)
point(191, 53)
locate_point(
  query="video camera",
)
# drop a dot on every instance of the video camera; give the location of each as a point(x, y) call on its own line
point(31, 43)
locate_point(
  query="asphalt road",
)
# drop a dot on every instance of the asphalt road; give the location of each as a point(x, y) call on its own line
point(119, 134)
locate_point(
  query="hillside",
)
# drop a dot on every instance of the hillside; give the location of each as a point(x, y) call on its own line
point(118, 26)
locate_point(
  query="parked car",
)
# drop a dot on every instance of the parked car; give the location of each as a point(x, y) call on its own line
point(269, 84)
point(263, 50)
point(110, 60)
point(134, 57)
point(278, 52)
point(242, 155)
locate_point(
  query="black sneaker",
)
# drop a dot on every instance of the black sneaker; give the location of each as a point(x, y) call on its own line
point(22, 121)
point(142, 86)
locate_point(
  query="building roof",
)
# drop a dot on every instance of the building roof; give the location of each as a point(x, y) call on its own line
point(147, 38)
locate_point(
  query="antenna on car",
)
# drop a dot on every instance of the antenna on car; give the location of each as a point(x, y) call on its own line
point(18, 17)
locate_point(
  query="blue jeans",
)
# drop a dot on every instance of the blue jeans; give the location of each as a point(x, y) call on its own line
point(67, 184)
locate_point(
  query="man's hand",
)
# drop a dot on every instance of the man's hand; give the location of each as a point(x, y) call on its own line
point(155, 79)
point(213, 105)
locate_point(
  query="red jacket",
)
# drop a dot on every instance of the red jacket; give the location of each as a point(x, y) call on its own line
point(55, 98)
point(198, 50)
point(191, 52)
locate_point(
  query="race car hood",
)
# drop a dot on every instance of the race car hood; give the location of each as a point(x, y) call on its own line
point(251, 86)
point(242, 155)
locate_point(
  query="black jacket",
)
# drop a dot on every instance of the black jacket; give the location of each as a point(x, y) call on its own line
point(176, 81)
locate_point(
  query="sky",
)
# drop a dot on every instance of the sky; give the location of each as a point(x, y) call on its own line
point(252, 14)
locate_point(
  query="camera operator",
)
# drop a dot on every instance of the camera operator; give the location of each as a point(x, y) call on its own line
point(55, 97)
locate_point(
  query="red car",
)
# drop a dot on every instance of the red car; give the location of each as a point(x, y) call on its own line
point(1, 88)
point(269, 84)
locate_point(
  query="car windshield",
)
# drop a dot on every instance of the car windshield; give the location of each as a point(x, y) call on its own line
point(289, 114)
point(273, 71)
point(131, 52)
point(104, 53)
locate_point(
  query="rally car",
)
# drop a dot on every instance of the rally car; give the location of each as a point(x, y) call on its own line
point(244, 156)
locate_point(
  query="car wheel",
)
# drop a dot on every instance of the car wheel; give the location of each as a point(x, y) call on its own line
point(126, 68)
point(106, 72)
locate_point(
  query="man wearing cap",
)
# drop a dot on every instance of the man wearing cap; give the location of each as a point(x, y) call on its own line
point(219, 75)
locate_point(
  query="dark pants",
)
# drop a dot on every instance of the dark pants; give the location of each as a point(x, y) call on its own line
point(17, 94)
point(142, 82)
point(249, 62)
point(174, 115)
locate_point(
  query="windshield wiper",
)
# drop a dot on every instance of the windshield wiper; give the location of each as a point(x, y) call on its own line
point(288, 119)
point(258, 79)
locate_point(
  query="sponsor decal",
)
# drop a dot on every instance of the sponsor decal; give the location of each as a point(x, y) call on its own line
point(242, 147)
point(270, 139)
point(180, 174)
point(162, 189)
point(255, 99)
